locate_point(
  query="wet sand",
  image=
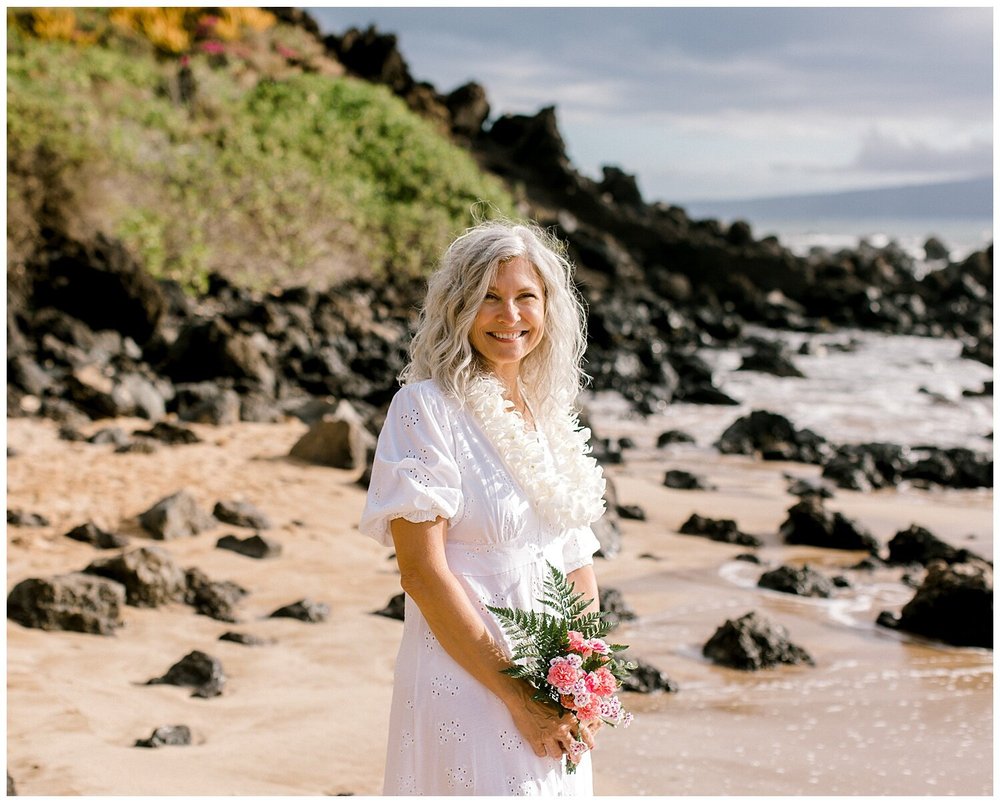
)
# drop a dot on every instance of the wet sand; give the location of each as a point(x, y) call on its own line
point(880, 713)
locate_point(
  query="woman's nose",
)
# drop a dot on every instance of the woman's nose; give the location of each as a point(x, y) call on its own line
point(509, 311)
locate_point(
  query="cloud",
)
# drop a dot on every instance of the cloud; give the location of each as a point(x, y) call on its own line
point(886, 153)
point(670, 90)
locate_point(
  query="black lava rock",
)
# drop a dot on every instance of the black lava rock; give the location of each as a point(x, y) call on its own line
point(954, 604)
point(685, 481)
point(255, 546)
point(724, 530)
point(176, 516)
point(751, 643)
point(633, 512)
point(395, 609)
point(804, 582)
point(18, 518)
point(215, 599)
point(673, 436)
point(167, 735)
point(646, 679)
point(614, 609)
point(149, 575)
point(811, 524)
point(198, 670)
point(91, 534)
point(170, 434)
point(241, 514)
point(304, 610)
point(918, 545)
point(245, 639)
point(76, 602)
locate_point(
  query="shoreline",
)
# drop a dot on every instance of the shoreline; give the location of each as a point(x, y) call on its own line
point(308, 714)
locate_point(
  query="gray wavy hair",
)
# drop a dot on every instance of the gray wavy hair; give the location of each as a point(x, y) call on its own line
point(552, 373)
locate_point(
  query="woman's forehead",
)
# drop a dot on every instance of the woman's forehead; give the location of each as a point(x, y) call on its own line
point(517, 270)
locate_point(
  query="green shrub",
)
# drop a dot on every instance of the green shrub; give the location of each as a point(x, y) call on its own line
point(290, 178)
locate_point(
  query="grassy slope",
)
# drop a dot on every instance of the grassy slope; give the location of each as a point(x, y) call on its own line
point(268, 179)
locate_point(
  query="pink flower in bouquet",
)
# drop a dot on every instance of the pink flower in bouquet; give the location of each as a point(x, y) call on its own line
point(610, 709)
point(601, 682)
point(592, 710)
point(213, 48)
point(578, 644)
point(599, 646)
point(563, 674)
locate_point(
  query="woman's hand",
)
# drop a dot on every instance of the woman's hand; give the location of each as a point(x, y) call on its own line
point(549, 732)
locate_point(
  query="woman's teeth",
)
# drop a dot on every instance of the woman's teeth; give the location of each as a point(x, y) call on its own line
point(507, 335)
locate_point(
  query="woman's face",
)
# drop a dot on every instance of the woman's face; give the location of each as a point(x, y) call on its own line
point(511, 318)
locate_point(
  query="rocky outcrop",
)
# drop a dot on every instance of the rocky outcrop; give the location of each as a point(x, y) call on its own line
point(646, 679)
point(77, 602)
point(770, 357)
point(804, 582)
point(919, 545)
point(395, 608)
point(751, 643)
point(810, 523)
point(90, 533)
point(954, 604)
point(255, 546)
point(176, 516)
point(773, 437)
point(241, 514)
point(614, 608)
point(339, 440)
point(686, 481)
point(149, 575)
point(213, 598)
point(197, 670)
point(304, 610)
point(167, 735)
point(100, 284)
point(724, 530)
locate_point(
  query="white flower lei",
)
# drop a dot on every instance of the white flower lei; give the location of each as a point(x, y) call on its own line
point(568, 491)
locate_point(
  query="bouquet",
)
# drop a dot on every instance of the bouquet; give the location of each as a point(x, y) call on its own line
point(562, 655)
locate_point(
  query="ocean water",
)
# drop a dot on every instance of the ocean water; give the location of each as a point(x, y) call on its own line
point(961, 237)
point(881, 712)
point(888, 388)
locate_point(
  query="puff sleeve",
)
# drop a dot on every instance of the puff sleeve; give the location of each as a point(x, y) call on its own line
point(414, 474)
point(579, 548)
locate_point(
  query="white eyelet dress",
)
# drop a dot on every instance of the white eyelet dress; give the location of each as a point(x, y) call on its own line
point(448, 734)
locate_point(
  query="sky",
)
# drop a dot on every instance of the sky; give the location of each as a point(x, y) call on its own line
point(724, 103)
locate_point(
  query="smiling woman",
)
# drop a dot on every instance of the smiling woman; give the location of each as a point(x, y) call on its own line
point(481, 481)
point(510, 323)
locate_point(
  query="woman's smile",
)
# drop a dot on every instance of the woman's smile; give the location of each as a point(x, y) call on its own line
point(511, 318)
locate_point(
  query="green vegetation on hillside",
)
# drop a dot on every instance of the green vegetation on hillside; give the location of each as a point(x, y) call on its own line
point(269, 176)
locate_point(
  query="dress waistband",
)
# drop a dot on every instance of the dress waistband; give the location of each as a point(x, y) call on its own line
point(477, 560)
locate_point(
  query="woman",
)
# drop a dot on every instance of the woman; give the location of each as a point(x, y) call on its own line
point(481, 479)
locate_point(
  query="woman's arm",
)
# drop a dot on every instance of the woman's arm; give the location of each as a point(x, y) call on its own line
point(451, 616)
point(585, 582)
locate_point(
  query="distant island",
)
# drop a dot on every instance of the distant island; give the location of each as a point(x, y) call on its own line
point(969, 199)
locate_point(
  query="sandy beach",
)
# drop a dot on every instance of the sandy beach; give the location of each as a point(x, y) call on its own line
point(880, 713)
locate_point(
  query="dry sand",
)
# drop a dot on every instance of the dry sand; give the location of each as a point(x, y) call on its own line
point(879, 713)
